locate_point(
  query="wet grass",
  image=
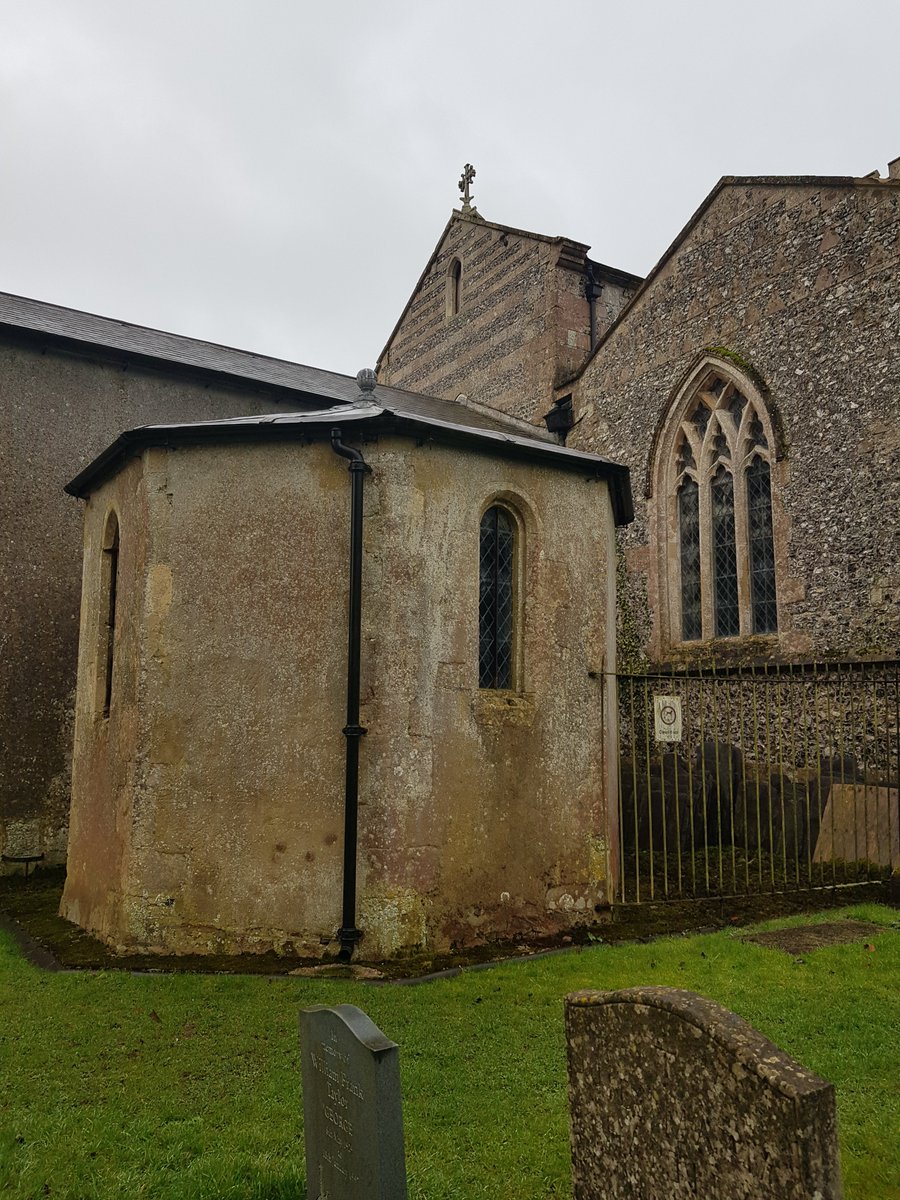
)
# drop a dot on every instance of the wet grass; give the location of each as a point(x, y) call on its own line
point(187, 1086)
point(731, 871)
point(34, 906)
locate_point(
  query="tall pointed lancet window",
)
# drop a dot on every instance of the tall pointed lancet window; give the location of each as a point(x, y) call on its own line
point(496, 573)
point(717, 477)
point(454, 288)
point(109, 581)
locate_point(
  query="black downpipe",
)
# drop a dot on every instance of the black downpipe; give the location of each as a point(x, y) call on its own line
point(348, 934)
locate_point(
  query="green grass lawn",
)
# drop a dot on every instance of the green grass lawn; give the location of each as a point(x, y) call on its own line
point(187, 1086)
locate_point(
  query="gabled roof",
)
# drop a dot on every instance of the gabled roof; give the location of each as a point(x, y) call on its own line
point(728, 181)
point(576, 251)
point(387, 411)
point(82, 332)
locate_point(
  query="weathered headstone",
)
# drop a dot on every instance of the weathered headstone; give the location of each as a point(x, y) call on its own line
point(673, 1097)
point(860, 824)
point(352, 1114)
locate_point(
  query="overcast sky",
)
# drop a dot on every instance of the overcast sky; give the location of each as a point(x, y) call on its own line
point(274, 175)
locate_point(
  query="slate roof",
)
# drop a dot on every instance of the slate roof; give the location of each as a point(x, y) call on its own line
point(332, 398)
point(71, 329)
point(388, 411)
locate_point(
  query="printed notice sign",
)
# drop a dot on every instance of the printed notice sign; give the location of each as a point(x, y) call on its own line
point(667, 717)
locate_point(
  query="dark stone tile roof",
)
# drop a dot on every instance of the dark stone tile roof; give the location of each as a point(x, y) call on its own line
point(332, 397)
point(72, 329)
point(387, 411)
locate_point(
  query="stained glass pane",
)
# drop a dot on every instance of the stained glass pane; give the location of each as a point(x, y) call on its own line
point(736, 406)
point(762, 551)
point(685, 456)
point(495, 601)
point(757, 433)
point(689, 535)
point(720, 446)
point(725, 588)
point(700, 418)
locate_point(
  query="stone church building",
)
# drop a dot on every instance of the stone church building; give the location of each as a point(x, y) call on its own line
point(751, 384)
point(209, 793)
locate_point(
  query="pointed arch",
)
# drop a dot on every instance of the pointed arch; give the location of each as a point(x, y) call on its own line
point(454, 287)
point(715, 362)
point(712, 488)
point(109, 579)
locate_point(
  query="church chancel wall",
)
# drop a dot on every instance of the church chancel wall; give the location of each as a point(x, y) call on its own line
point(216, 766)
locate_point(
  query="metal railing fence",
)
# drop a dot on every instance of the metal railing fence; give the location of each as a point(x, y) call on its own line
point(762, 779)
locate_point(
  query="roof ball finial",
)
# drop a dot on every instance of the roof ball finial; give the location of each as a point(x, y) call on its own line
point(366, 380)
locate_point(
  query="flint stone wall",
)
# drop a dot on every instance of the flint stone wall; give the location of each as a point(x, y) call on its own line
point(523, 324)
point(797, 284)
point(672, 1096)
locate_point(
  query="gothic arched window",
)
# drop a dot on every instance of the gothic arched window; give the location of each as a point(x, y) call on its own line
point(714, 474)
point(496, 575)
point(454, 288)
point(109, 578)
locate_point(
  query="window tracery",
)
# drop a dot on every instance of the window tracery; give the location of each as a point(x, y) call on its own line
point(716, 496)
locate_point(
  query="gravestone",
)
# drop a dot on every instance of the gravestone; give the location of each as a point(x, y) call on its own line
point(673, 1097)
point(352, 1115)
point(860, 824)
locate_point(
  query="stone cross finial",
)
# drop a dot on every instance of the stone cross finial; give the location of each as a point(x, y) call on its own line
point(464, 184)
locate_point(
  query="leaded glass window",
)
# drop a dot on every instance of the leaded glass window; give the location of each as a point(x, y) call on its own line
point(757, 433)
point(495, 602)
point(109, 584)
point(685, 456)
point(689, 536)
point(700, 418)
point(736, 406)
point(719, 481)
point(720, 446)
point(725, 583)
point(762, 550)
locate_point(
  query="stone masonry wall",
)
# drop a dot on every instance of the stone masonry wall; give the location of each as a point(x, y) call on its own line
point(522, 327)
point(483, 813)
point(796, 285)
point(59, 411)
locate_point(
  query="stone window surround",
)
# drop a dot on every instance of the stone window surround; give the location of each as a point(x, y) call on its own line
point(665, 479)
point(454, 287)
point(106, 614)
point(516, 511)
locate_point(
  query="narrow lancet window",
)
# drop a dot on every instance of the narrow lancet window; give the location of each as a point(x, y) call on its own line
point(454, 288)
point(762, 551)
point(495, 602)
point(109, 583)
point(725, 584)
point(689, 536)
